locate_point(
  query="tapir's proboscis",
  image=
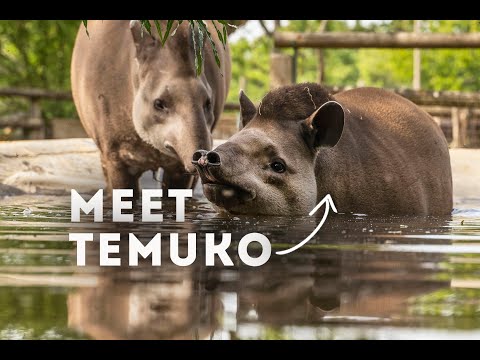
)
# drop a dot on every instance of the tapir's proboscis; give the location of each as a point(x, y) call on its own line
point(373, 151)
point(143, 103)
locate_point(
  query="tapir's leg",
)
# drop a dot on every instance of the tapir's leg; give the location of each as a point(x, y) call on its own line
point(105, 175)
point(177, 180)
point(120, 176)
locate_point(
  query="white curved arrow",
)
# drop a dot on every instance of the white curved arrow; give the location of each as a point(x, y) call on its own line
point(328, 202)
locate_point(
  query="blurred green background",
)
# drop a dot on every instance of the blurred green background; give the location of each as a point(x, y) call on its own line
point(36, 53)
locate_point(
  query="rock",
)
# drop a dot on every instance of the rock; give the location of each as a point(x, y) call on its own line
point(53, 167)
point(50, 166)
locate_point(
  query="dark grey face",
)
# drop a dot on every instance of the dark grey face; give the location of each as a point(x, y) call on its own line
point(255, 173)
point(227, 194)
point(269, 166)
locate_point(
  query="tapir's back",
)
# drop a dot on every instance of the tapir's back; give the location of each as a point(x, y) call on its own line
point(392, 156)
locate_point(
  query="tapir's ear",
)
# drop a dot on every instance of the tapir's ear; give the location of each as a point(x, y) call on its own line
point(142, 39)
point(325, 126)
point(247, 109)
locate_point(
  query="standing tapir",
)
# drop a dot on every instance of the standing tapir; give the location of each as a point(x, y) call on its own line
point(142, 102)
point(373, 151)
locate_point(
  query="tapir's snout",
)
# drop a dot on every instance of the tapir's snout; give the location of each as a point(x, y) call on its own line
point(208, 166)
point(203, 158)
point(219, 186)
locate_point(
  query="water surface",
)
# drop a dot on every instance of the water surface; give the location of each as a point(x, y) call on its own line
point(361, 277)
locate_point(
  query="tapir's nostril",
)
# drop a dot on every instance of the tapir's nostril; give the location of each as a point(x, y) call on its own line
point(197, 155)
point(205, 158)
point(213, 158)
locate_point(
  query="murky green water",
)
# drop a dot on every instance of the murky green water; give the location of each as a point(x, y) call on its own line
point(361, 277)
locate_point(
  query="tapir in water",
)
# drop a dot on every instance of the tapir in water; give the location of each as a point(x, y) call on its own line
point(143, 103)
point(373, 151)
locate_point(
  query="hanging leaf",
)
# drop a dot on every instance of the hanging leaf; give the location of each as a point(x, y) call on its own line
point(204, 28)
point(225, 23)
point(167, 32)
point(225, 35)
point(198, 69)
point(146, 24)
point(220, 36)
point(85, 22)
point(159, 28)
point(197, 47)
point(179, 22)
point(200, 51)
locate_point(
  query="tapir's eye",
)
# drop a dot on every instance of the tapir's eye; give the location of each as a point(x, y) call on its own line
point(159, 104)
point(208, 105)
point(278, 166)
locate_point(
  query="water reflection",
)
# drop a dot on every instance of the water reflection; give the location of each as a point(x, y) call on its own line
point(363, 277)
point(197, 302)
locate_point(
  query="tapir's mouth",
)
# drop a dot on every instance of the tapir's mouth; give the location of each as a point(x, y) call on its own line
point(221, 192)
point(170, 151)
point(227, 196)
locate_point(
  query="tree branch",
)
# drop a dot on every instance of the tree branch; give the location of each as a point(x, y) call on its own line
point(264, 26)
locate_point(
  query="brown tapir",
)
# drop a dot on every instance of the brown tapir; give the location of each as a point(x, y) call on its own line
point(142, 102)
point(373, 151)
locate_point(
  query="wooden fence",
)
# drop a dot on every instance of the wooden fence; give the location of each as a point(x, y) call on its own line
point(458, 119)
point(31, 123)
point(458, 114)
point(355, 40)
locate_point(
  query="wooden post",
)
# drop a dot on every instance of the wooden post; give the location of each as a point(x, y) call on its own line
point(463, 127)
point(455, 128)
point(417, 59)
point(471, 129)
point(275, 29)
point(280, 70)
point(36, 116)
point(321, 66)
point(460, 127)
point(294, 65)
point(321, 57)
point(281, 67)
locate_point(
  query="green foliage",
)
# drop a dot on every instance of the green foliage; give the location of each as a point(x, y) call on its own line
point(461, 306)
point(37, 53)
point(252, 63)
point(385, 68)
point(446, 69)
point(203, 32)
point(442, 69)
point(35, 313)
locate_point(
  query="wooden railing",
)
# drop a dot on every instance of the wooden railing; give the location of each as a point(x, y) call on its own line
point(458, 113)
point(399, 40)
point(419, 97)
point(36, 94)
point(31, 122)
